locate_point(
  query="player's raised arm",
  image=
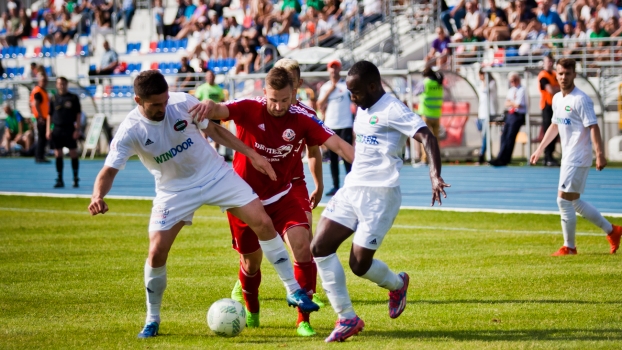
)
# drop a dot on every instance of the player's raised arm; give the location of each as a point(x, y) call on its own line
point(222, 136)
point(103, 184)
point(342, 148)
point(208, 109)
point(430, 144)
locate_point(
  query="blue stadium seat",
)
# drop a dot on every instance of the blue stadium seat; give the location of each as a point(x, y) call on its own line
point(91, 89)
point(159, 47)
point(48, 70)
point(84, 50)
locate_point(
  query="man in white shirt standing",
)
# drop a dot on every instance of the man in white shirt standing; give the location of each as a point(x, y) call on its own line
point(334, 101)
point(163, 132)
point(575, 121)
point(516, 106)
point(369, 201)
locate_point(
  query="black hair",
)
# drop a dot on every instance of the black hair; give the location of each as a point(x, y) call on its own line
point(63, 79)
point(366, 71)
point(434, 75)
point(149, 83)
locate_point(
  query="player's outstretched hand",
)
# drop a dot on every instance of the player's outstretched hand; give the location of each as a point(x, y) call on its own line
point(202, 111)
point(263, 166)
point(316, 197)
point(534, 157)
point(601, 162)
point(438, 188)
point(98, 206)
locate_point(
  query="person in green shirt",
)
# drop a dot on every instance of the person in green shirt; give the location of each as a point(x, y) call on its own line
point(597, 32)
point(17, 130)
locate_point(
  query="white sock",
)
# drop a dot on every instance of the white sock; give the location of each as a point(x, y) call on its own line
point(569, 221)
point(275, 252)
point(380, 274)
point(155, 284)
point(334, 283)
point(592, 214)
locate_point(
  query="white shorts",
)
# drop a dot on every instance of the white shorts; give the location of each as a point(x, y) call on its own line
point(226, 190)
point(368, 211)
point(572, 179)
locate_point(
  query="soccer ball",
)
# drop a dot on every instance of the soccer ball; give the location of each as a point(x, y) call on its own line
point(226, 317)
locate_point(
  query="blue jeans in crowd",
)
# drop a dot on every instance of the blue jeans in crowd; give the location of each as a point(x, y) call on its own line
point(458, 17)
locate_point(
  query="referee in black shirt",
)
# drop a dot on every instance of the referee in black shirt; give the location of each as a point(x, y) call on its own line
point(66, 114)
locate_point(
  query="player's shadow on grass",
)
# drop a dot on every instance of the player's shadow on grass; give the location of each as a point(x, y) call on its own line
point(504, 335)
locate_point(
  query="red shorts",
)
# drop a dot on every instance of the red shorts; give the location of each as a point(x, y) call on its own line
point(300, 191)
point(285, 214)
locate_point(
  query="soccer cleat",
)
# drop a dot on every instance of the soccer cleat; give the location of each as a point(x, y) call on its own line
point(316, 299)
point(150, 330)
point(236, 293)
point(300, 299)
point(59, 183)
point(252, 319)
point(345, 328)
point(614, 238)
point(76, 182)
point(565, 251)
point(397, 298)
point(305, 330)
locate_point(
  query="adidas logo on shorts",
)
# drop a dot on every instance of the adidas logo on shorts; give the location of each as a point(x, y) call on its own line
point(373, 241)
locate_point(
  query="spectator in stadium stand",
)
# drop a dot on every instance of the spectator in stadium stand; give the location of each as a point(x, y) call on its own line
point(430, 102)
point(549, 86)
point(12, 29)
point(245, 60)
point(40, 108)
point(474, 18)
point(328, 30)
point(334, 101)
point(108, 63)
point(536, 35)
point(348, 10)
point(440, 50)
point(174, 28)
point(102, 24)
point(496, 24)
point(607, 10)
point(372, 12)
point(457, 11)
point(588, 10)
point(211, 91)
point(487, 95)
point(516, 106)
point(158, 13)
point(267, 62)
point(229, 43)
point(18, 130)
point(548, 17)
point(523, 14)
point(67, 118)
point(188, 80)
point(597, 33)
point(129, 8)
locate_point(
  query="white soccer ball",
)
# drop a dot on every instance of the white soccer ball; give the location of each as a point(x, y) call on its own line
point(226, 317)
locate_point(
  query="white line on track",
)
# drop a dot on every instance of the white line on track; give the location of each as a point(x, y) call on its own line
point(414, 227)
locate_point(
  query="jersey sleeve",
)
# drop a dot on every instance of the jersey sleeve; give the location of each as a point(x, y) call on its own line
point(585, 109)
point(121, 149)
point(404, 120)
point(241, 110)
point(317, 131)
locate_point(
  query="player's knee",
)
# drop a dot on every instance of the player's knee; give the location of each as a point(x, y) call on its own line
point(358, 267)
point(157, 256)
point(317, 249)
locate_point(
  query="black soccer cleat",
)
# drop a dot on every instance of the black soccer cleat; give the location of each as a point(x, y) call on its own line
point(59, 183)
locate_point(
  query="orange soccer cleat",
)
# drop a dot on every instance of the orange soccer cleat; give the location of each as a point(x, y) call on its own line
point(565, 251)
point(614, 238)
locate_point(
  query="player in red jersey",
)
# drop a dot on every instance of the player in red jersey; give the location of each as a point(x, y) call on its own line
point(277, 130)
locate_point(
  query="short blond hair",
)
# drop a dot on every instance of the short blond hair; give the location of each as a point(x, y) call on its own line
point(290, 65)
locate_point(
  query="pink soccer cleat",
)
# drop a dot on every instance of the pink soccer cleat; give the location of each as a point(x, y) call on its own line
point(345, 328)
point(397, 298)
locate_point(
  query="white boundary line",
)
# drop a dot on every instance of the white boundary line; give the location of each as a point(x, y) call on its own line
point(461, 210)
point(224, 218)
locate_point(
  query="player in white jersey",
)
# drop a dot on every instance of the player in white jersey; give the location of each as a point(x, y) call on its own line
point(370, 199)
point(188, 174)
point(575, 121)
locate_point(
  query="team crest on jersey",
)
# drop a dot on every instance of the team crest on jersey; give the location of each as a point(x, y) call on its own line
point(568, 109)
point(180, 125)
point(373, 120)
point(289, 135)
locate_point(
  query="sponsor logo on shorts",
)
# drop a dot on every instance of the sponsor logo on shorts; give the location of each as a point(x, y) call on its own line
point(368, 140)
point(563, 121)
point(180, 125)
point(373, 120)
point(173, 151)
point(563, 186)
point(330, 207)
point(159, 209)
point(158, 222)
point(289, 135)
point(373, 241)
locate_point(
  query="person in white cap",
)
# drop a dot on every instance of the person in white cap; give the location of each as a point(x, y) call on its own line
point(335, 102)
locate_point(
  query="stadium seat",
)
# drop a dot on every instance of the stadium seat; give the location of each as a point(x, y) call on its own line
point(153, 47)
point(37, 52)
point(454, 119)
point(155, 65)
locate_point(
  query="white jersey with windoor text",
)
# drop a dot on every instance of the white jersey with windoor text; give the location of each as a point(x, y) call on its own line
point(573, 114)
point(381, 133)
point(173, 150)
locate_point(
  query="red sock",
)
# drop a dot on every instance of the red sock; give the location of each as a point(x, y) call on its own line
point(250, 289)
point(306, 275)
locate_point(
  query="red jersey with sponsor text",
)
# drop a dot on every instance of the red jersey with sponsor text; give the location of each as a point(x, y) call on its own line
point(279, 139)
point(299, 172)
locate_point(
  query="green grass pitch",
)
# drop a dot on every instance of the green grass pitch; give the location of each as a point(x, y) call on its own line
point(478, 280)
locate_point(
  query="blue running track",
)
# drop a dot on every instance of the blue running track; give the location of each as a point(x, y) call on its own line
point(472, 187)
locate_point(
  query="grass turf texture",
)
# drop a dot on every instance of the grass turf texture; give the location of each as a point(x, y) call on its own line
point(68, 280)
